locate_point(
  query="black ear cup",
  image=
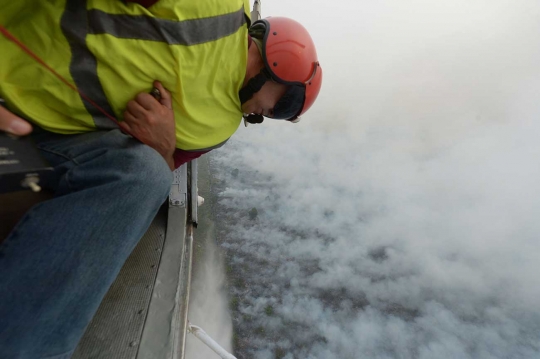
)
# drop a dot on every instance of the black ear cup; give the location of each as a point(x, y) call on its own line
point(254, 119)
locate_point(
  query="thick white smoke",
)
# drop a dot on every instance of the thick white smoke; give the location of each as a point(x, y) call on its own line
point(400, 218)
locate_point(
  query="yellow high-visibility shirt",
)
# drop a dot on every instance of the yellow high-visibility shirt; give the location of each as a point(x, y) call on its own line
point(112, 50)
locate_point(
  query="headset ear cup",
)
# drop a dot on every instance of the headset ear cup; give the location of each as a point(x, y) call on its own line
point(254, 119)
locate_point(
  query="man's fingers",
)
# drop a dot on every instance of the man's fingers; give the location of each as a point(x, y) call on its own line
point(135, 108)
point(147, 101)
point(19, 127)
point(13, 124)
point(165, 95)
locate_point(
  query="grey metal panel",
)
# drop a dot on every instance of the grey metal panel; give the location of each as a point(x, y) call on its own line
point(194, 192)
point(159, 335)
point(256, 12)
point(183, 294)
point(178, 193)
point(184, 287)
point(116, 328)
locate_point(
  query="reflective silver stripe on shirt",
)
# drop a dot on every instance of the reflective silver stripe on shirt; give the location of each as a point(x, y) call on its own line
point(83, 65)
point(187, 32)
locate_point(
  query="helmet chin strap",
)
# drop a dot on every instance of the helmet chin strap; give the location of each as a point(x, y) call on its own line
point(254, 85)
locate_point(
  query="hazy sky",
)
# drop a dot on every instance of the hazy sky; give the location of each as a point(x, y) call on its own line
point(401, 217)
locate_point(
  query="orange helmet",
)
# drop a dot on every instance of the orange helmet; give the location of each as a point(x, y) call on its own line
point(290, 58)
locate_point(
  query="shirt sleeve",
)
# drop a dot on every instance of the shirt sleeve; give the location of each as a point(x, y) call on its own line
point(181, 156)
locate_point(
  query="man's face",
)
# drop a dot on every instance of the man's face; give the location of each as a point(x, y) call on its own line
point(263, 101)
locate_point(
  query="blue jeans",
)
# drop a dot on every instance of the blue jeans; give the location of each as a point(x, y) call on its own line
point(61, 258)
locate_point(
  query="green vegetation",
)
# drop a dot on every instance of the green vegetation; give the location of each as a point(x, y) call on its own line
point(269, 310)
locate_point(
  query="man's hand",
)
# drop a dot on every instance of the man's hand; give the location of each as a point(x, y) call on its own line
point(152, 122)
point(11, 123)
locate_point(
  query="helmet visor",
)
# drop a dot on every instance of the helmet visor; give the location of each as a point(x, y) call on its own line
point(290, 104)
